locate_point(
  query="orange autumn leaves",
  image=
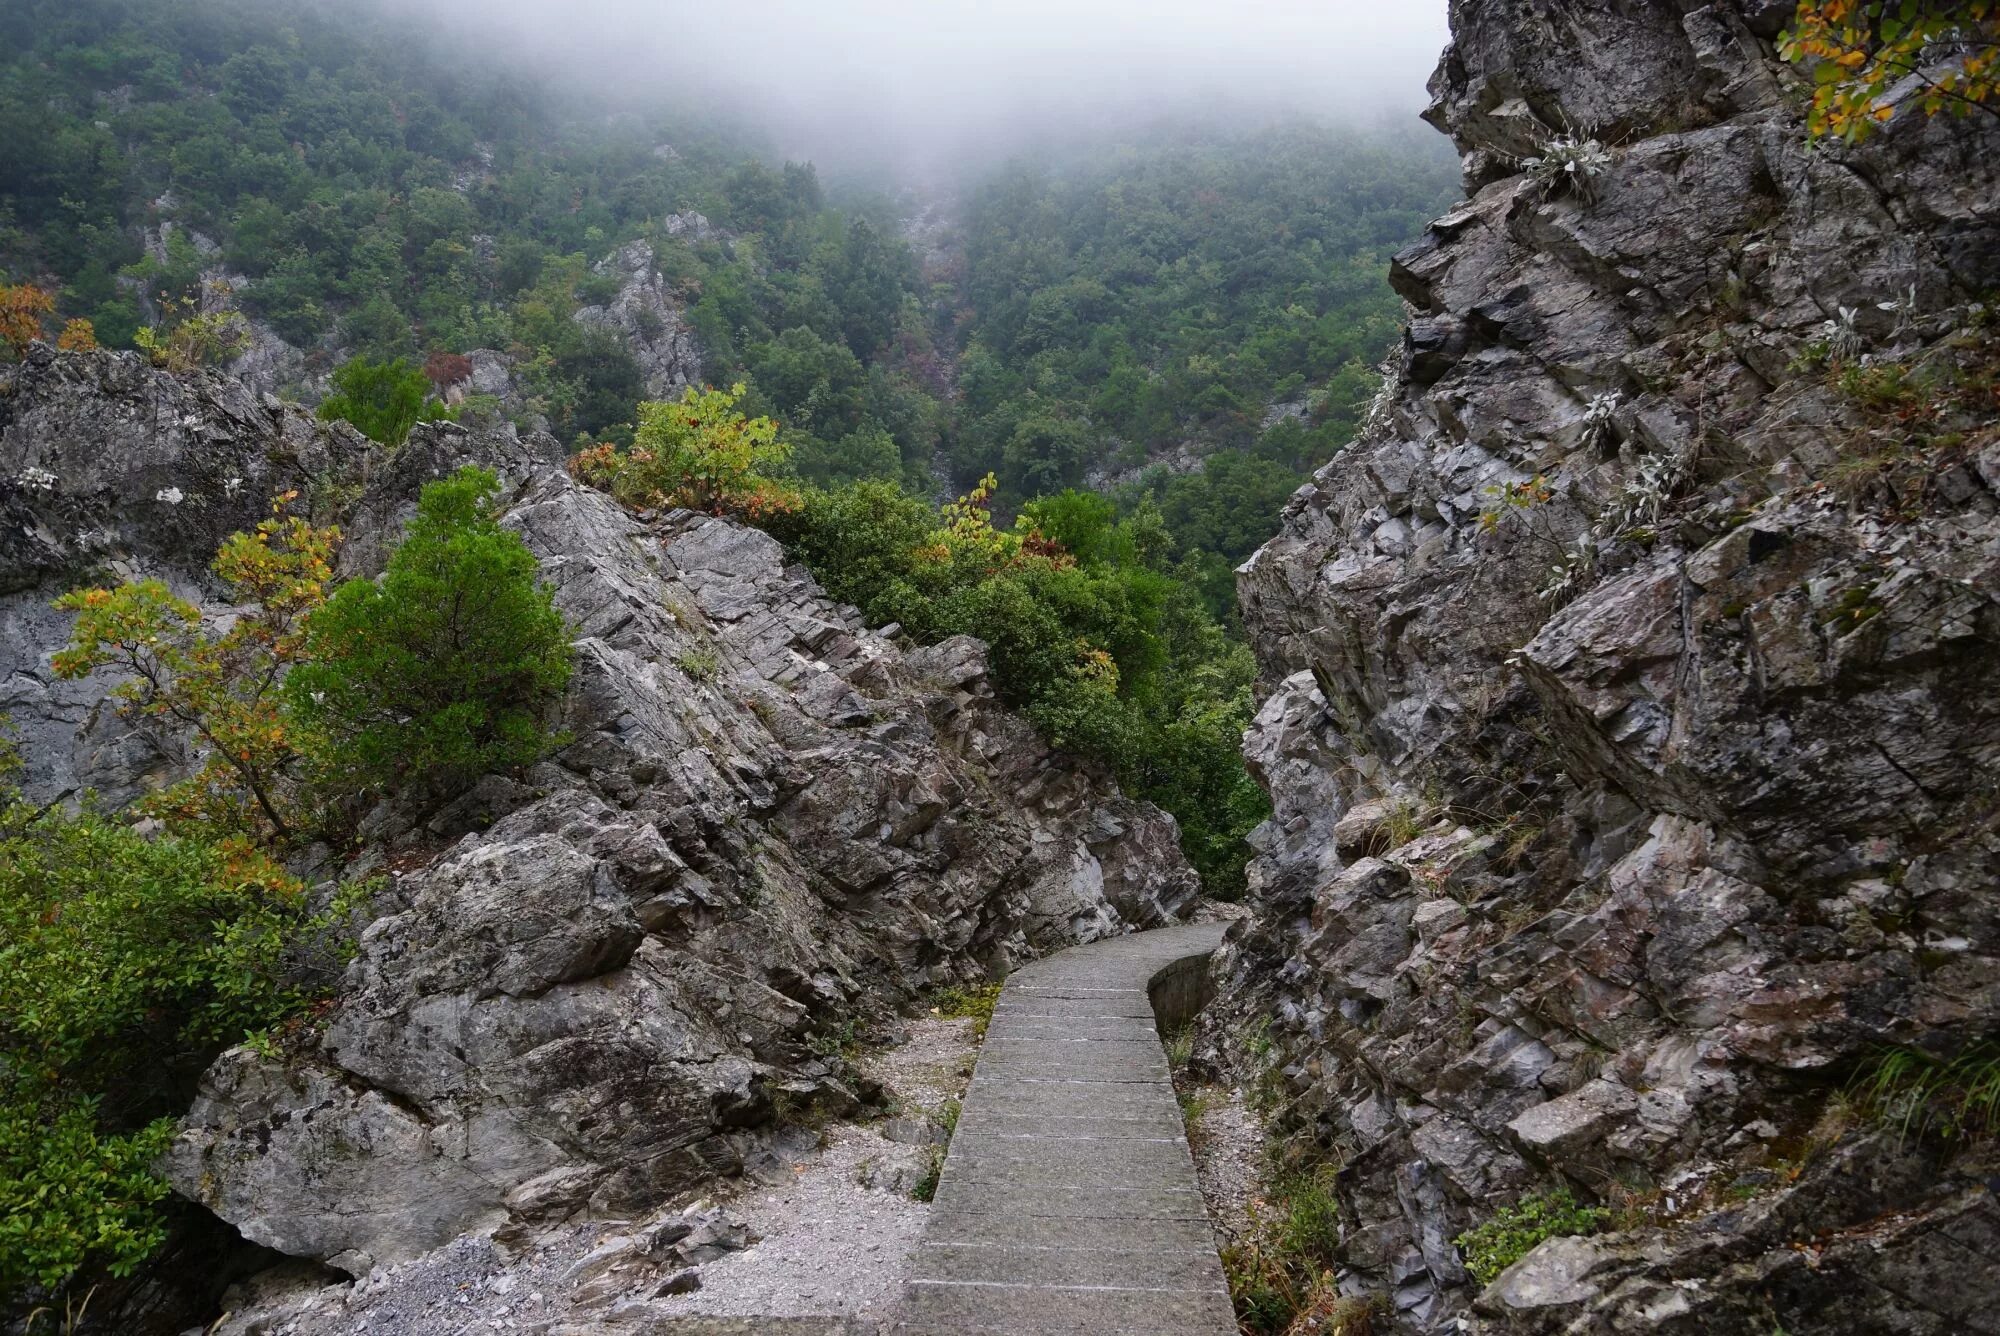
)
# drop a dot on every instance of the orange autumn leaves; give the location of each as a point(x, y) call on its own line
point(224, 688)
point(1864, 52)
point(24, 313)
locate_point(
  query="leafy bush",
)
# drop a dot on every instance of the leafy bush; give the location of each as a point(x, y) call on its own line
point(1513, 1232)
point(125, 964)
point(191, 336)
point(1108, 653)
point(381, 400)
point(444, 668)
point(222, 688)
point(698, 453)
point(22, 307)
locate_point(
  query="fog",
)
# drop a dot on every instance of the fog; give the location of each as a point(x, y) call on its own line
point(917, 84)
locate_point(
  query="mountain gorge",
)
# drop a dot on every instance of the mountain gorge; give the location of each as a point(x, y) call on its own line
point(1590, 709)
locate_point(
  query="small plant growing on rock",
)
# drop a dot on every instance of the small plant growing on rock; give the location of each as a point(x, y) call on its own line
point(1570, 162)
point(1917, 1095)
point(191, 337)
point(1515, 1231)
point(1600, 420)
point(700, 663)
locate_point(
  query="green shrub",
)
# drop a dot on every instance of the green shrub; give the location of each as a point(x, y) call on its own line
point(1108, 653)
point(126, 963)
point(974, 1002)
point(381, 400)
point(444, 668)
point(1513, 1233)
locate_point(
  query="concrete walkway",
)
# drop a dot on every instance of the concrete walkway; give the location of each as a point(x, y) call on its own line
point(1068, 1200)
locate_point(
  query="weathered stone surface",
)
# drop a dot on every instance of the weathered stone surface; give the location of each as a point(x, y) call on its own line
point(648, 317)
point(586, 986)
point(1701, 827)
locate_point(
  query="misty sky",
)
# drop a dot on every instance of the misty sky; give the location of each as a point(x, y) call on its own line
point(923, 79)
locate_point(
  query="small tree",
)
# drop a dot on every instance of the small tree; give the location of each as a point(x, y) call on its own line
point(78, 336)
point(381, 400)
point(444, 668)
point(221, 688)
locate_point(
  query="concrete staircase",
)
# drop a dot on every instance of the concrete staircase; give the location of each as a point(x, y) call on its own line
point(1068, 1201)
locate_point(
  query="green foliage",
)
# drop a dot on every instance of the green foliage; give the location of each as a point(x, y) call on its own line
point(699, 453)
point(445, 667)
point(1512, 1233)
point(223, 689)
point(1955, 1099)
point(974, 1002)
point(125, 964)
point(381, 400)
point(1168, 291)
point(1108, 653)
point(1281, 1268)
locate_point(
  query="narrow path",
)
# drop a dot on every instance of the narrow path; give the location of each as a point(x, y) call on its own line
point(1068, 1202)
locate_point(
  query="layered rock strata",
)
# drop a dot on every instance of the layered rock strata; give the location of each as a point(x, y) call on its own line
point(1634, 704)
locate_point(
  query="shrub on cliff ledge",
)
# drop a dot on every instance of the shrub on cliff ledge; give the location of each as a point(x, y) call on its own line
point(381, 400)
point(698, 453)
point(445, 667)
point(1514, 1232)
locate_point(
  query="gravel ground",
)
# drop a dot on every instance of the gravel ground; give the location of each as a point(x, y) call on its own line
point(1228, 1143)
point(833, 1214)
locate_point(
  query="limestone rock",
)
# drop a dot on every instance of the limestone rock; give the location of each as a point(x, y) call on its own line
point(1715, 775)
point(649, 317)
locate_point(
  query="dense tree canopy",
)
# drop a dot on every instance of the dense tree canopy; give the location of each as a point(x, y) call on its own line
point(1187, 321)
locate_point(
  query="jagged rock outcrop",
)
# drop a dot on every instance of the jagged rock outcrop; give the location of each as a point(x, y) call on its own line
point(583, 988)
point(648, 316)
point(1635, 705)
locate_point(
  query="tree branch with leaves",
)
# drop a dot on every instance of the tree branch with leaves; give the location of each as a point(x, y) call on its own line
point(1862, 51)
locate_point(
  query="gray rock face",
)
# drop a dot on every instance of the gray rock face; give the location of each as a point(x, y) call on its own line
point(1617, 829)
point(648, 317)
point(108, 468)
point(769, 821)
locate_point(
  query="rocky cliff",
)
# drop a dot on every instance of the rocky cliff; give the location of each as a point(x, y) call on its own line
point(588, 987)
point(1634, 708)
